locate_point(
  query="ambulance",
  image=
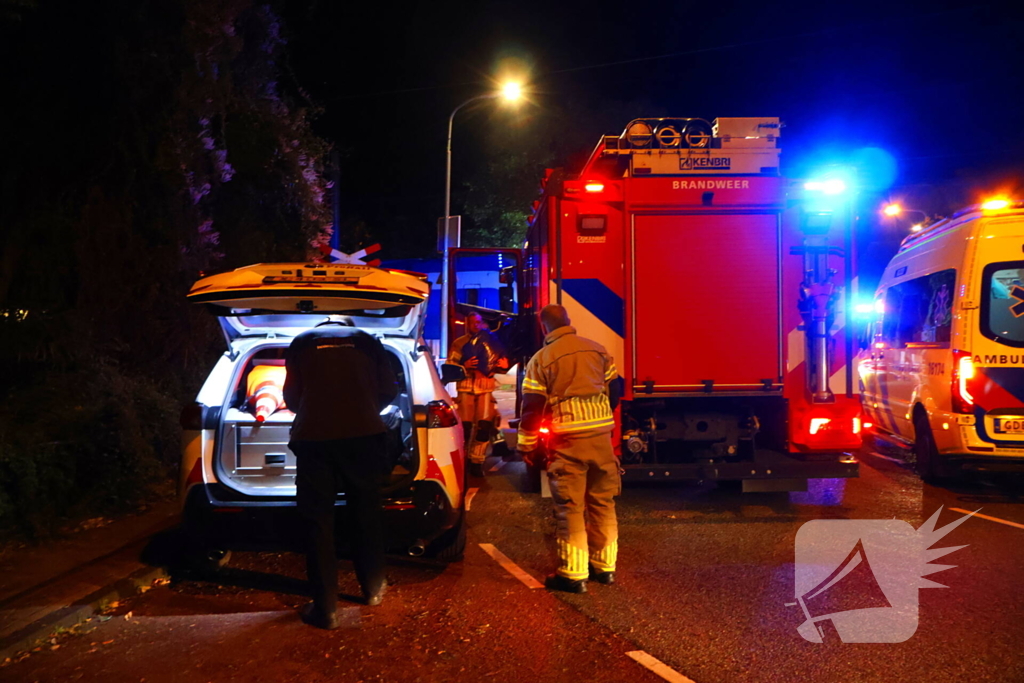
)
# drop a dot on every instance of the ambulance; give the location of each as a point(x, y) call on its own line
point(944, 371)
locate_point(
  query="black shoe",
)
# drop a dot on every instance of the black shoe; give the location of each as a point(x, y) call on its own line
point(557, 582)
point(378, 596)
point(603, 578)
point(314, 617)
point(476, 469)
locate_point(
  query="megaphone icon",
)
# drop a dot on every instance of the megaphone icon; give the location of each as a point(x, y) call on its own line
point(851, 586)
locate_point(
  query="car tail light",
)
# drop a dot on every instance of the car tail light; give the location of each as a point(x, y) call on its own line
point(441, 414)
point(963, 373)
point(192, 417)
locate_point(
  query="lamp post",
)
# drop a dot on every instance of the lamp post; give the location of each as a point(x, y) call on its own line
point(510, 92)
point(895, 210)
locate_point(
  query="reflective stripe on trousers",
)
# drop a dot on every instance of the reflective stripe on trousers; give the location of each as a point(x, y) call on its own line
point(584, 478)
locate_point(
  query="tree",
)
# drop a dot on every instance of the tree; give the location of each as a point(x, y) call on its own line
point(155, 139)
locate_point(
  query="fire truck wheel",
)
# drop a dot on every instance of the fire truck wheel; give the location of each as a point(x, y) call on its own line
point(926, 454)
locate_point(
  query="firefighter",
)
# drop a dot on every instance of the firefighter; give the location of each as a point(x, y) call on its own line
point(572, 383)
point(480, 354)
point(339, 378)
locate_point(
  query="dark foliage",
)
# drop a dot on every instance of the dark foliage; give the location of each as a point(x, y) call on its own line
point(147, 140)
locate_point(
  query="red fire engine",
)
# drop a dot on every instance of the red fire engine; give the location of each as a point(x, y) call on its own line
point(717, 288)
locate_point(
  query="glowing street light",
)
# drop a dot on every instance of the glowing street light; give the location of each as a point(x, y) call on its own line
point(894, 210)
point(509, 92)
point(512, 91)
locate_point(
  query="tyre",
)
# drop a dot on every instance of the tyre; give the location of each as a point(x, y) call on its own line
point(926, 455)
point(451, 546)
point(182, 552)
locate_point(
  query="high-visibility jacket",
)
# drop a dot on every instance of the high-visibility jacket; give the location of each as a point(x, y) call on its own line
point(481, 380)
point(569, 379)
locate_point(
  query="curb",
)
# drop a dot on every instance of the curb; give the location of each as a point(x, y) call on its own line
point(83, 609)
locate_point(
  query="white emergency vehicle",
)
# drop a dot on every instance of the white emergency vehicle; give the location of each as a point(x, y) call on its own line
point(237, 472)
point(944, 372)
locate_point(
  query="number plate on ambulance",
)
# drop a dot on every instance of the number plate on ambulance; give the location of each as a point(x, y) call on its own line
point(1008, 425)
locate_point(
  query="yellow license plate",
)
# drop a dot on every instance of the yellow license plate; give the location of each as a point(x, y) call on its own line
point(1008, 425)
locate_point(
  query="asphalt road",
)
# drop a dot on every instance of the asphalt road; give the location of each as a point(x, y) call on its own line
point(705, 576)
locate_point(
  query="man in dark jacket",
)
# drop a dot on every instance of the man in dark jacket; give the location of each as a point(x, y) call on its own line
point(339, 379)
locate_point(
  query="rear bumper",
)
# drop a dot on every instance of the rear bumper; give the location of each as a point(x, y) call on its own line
point(981, 464)
point(216, 518)
point(767, 466)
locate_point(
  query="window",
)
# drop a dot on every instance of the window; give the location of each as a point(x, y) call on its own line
point(920, 311)
point(1002, 303)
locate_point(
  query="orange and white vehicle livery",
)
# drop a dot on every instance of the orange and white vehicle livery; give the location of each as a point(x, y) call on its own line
point(238, 474)
point(944, 372)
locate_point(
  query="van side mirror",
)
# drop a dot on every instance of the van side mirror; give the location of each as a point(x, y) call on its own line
point(452, 373)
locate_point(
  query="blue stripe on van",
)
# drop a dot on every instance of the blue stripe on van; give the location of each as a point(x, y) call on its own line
point(597, 298)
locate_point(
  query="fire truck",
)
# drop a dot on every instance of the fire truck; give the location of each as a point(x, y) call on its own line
point(720, 289)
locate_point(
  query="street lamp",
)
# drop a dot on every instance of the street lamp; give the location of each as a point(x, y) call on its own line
point(895, 210)
point(509, 92)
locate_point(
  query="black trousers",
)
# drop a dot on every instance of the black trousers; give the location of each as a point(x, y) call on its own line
point(356, 467)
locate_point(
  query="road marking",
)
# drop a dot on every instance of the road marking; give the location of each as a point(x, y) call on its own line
point(658, 667)
point(497, 466)
point(991, 519)
point(469, 497)
point(510, 566)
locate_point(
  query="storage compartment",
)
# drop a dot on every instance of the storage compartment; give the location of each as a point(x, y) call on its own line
point(254, 457)
point(706, 305)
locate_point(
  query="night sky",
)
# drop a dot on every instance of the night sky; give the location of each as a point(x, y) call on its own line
point(936, 86)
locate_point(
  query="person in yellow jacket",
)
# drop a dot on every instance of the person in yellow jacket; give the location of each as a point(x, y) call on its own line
point(480, 354)
point(572, 384)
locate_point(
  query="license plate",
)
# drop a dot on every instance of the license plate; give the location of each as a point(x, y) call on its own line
point(1008, 425)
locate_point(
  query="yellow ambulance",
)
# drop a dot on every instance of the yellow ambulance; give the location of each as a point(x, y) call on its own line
point(944, 371)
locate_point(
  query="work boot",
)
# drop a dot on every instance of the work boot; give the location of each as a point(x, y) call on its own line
point(557, 582)
point(377, 597)
point(314, 617)
point(476, 469)
point(603, 578)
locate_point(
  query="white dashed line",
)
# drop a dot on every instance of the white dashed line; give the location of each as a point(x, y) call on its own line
point(991, 519)
point(469, 497)
point(658, 667)
point(510, 566)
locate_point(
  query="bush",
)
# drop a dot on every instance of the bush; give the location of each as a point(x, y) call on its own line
point(95, 441)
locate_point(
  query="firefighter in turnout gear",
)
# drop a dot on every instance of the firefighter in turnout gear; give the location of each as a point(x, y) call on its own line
point(573, 386)
point(480, 354)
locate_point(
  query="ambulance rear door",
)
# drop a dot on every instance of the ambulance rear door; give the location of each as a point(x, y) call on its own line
point(998, 337)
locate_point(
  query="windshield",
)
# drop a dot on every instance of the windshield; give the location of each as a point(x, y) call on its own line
point(1002, 303)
